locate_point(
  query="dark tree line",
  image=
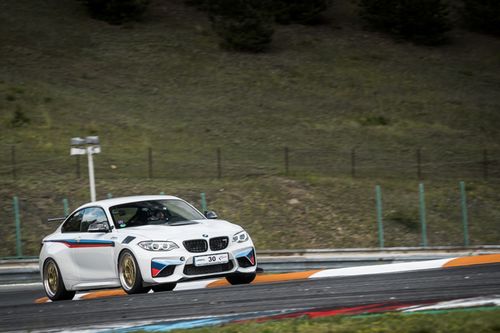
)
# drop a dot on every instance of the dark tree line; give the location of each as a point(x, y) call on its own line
point(248, 25)
point(483, 15)
point(117, 11)
point(242, 25)
point(421, 21)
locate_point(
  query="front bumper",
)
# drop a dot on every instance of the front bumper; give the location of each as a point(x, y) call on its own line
point(178, 265)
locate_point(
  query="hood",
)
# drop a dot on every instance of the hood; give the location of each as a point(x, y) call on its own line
point(183, 230)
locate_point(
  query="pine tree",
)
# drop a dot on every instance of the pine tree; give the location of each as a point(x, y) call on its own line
point(117, 11)
point(483, 15)
point(242, 25)
point(421, 21)
point(299, 11)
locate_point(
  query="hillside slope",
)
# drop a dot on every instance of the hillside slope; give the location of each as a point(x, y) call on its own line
point(321, 90)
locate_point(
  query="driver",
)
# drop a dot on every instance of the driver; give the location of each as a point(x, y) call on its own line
point(158, 215)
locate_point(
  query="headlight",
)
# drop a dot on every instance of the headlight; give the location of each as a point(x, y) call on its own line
point(158, 245)
point(241, 237)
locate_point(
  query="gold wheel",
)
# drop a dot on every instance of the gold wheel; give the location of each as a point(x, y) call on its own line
point(128, 272)
point(51, 280)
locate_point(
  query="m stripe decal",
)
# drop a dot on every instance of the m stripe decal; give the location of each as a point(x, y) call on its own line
point(78, 243)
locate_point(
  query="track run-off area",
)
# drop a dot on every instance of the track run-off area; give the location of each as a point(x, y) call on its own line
point(474, 280)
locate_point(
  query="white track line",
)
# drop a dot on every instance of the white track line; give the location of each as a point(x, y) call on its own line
point(381, 269)
point(456, 304)
point(17, 285)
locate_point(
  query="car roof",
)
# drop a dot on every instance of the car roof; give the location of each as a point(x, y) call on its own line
point(123, 200)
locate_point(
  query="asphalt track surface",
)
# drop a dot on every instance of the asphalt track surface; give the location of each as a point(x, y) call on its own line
point(18, 311)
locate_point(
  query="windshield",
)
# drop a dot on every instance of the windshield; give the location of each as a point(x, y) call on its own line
point(153, 212)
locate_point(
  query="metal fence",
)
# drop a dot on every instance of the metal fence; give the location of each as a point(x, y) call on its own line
point(18, 161)
point(23, 167)
point(24, 218)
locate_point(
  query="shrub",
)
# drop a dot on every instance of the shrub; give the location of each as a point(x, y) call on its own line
point(117, 11)
point(374, 121)
point(407, 219)
point(243, 25)
point(200, 4)
point(19, 119)
point(483, 15)
point(299, 11)
point(422, 21)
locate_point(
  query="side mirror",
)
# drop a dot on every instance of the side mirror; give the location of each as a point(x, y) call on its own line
point(211, 215)
point(99, 227)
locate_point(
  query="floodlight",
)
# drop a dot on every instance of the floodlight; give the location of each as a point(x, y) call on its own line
point(92, 140)
point(77, 141)
point(88, 146)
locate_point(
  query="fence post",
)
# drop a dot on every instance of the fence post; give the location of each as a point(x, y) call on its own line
point(423, 221)
point(353, 162)
point(77, 166)
point(150, 162)
point(219, 164)
point(203, 202)
point(378, 194)
point(65, 207)
point(485, 164)
point(287, 161)
point(419, 164)
point(13, 161)
point(17, 219)
point(465, 214)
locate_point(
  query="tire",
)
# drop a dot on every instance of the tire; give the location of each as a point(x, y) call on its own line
point(130, 274)
point(164, 287)
point(53, 282)
point(240, 278)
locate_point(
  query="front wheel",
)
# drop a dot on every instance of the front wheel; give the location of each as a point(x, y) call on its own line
point(240, 278)
point(163, 287)
point(130, 274)
point(53, 282)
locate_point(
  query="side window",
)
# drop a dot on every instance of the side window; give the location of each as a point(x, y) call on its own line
point(123, 215)
point(92, 215)
point(73, 223)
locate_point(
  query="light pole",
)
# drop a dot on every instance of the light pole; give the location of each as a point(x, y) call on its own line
point(90, 146)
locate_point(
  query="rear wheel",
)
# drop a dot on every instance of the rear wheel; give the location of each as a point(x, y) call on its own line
point(164, 287)
point(130, 274)
point(53, 282)
point(240, 278)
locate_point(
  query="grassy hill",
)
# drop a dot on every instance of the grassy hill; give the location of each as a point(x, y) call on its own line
point(320, 90)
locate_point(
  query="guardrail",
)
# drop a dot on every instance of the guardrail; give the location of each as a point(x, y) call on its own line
point(394, 250)
point(27, 270)
point(309, 259)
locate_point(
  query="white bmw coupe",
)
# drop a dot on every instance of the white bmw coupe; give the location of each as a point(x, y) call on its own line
point(142, 243)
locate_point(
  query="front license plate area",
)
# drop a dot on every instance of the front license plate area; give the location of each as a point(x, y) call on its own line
point(211, 259)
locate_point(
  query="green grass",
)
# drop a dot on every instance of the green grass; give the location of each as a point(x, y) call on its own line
point(325, 213)
point(321, 90)
point(480, 321)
